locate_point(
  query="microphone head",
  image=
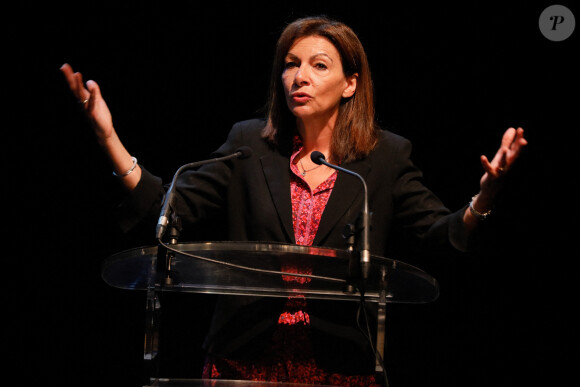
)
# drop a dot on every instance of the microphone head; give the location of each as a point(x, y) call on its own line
point(244, 151)
point(317, 157)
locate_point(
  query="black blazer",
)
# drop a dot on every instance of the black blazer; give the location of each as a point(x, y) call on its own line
point(249, 200)
point(251, 197)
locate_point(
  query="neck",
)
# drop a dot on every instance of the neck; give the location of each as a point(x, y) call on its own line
point(316, 134)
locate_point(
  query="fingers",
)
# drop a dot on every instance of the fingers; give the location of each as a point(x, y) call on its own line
point(69, 76)
point(516, 146)
point(500, 164)
point(493, 168)
point(487, 167)
point(514, 138)
point(520, 141)
point(512, 143)
point(508, 138)
point(94, 89)
point(81, 92)
point(66, 69)
point(499, 159)
point(75, 83)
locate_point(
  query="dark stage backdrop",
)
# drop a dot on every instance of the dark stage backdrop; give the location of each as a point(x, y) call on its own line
point(177, 75)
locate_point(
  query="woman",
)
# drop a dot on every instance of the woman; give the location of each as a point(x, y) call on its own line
point(321, 99)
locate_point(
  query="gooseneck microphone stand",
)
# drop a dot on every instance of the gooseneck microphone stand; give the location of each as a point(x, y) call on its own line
point(364, 252)
point(168, 223)
point(363, 230)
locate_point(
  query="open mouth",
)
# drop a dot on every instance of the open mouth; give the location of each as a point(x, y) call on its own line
point(301, 97)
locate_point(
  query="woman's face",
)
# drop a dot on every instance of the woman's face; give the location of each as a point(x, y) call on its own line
point(314, 82)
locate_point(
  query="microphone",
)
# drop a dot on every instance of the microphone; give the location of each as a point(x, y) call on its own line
point(242, 152)
point(365, 254)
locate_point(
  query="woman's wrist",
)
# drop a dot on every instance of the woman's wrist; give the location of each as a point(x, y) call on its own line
point(481, 206)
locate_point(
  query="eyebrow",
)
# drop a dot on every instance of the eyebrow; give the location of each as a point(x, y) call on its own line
point(312, 57)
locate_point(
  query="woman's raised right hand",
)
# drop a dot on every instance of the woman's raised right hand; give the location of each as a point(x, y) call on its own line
point(99, 115)
point(91, 101)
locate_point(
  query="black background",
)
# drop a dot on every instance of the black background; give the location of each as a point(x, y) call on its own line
point(177, 75)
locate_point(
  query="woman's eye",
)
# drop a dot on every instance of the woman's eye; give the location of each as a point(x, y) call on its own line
point(321, 66)
point(290, 65)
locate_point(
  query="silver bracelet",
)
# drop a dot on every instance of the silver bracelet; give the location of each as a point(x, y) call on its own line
point(130, 169)
point(477, 214)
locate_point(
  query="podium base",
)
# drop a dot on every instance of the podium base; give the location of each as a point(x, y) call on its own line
point(164, 382)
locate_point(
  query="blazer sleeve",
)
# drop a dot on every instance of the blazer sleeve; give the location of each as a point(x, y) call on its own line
point(421, 213)
point(142, 203)
point(200, 193)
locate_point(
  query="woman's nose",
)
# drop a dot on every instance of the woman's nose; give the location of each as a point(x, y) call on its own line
point(301, 76)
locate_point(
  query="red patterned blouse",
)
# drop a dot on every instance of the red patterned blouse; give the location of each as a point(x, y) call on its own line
point(292, 363)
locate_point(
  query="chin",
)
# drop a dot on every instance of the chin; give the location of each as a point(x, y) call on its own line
point(302, 111)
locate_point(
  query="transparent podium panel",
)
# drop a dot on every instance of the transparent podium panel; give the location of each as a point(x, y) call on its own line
point(266, 269)
point(260, 269)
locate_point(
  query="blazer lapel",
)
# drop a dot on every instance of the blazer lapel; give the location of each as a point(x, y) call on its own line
point(347, 189)
point(278, 181)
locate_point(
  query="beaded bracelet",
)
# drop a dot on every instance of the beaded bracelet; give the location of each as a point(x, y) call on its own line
point(130, 169)
point(477, 214)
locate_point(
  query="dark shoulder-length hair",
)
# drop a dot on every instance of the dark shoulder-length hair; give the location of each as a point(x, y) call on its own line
point(355, 132)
